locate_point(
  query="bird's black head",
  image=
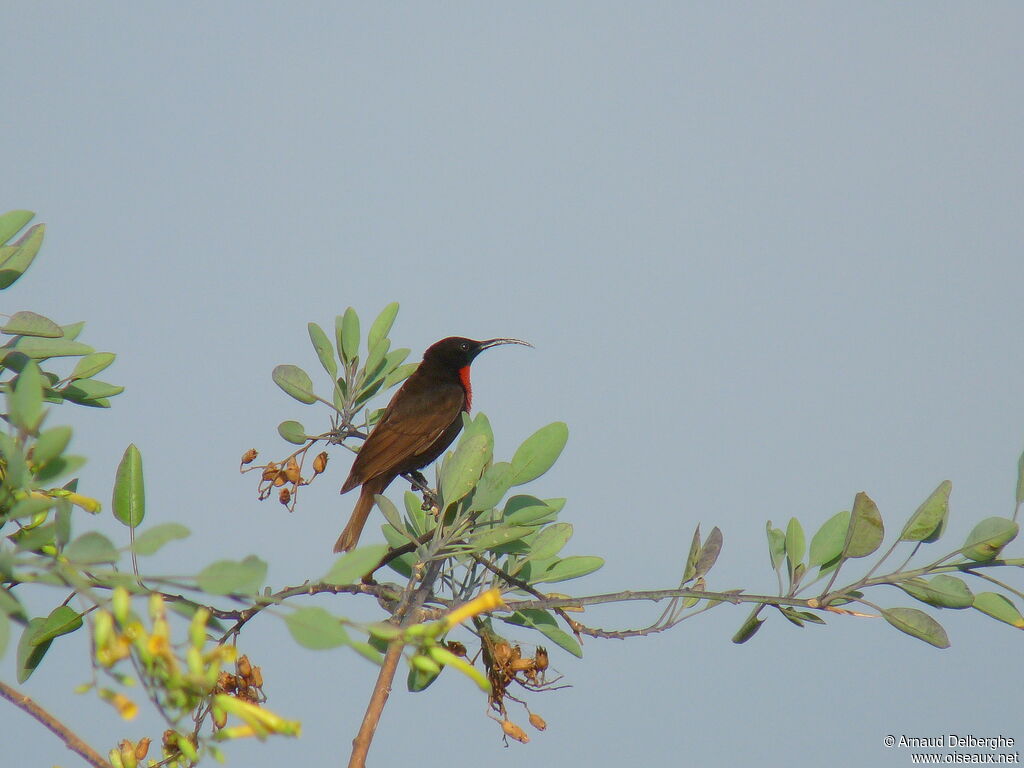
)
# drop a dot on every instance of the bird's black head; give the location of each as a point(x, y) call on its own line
point(456, 353)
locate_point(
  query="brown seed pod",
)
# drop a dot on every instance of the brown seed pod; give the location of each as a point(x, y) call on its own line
point(457, 648)
point(540, 660)
point(269, 471)
point(320, 462)
point(538, 722)
point(243, 666)
point(513, 731)
point(291, 472)
point(142, 748)
point(285, 496)
point(248, 458)
point(280, 478)
point(257, 677)
point(520, 665)
point(502, 653)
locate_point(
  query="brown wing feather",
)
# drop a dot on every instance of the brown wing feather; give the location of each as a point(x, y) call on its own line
point(411, 424)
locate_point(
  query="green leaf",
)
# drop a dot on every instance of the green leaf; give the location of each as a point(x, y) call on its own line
point(375, 360)
point(295, 382)
point(749, 627)
point(12, 222)
point(73, 330)
point(941, 591)
point(39, 348)
point(62, 465)
point(539, 452)
point(827, 543)
point(390, 512)
point(9, 605)
point(419, 679)
point(497, 536)
point(367, 651)
point(90, 391)
point(129, 489)
point(323, 348)
point(292, 431)
point(999, 607)
point(151, 541)
point(545, 623)
point(414, 511)
point(17, 258)
point(690, 569)
point(549, 541)
point(401, 373)
point(233, 577)
point(527, 510)
point(61, 621)
point(866, 530)
point(462, 470)
point(403, 564)
point(315, 628)
point(569, 568)
point(50, 444)
point(30, 324)
point(927, 522)
point(382, 325)
point(353, 565)
point(31, 654)
point(917, 624)
point(393, 359)
point(796, 544)
point(25, 403)
point(776, 545)
point(493, 486)
point(989, 537)
point(91, 548)
point(349, 342)
point(709, 552)
point(92, 364)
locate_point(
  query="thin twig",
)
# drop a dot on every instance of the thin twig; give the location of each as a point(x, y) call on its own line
point(65, 734)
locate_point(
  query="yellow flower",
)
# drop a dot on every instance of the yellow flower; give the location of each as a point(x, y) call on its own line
point(485, 601)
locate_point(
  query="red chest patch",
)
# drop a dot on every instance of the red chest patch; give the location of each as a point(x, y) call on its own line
point(464, 378)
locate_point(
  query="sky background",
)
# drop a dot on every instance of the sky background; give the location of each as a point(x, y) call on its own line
point(769, 255)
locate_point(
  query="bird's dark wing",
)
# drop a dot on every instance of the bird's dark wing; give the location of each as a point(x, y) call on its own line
point(411, 424)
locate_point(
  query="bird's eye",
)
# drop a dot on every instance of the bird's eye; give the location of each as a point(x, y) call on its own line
point(464, 346)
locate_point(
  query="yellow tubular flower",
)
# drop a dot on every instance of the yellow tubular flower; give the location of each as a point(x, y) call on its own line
point(485, 601)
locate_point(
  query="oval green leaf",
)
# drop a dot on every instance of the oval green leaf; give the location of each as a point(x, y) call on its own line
point(941, 591)
point(545, 623)
point(927, 522)
point(549, 541)
point(323, 348)
point(295, 382)
point(382, 325)
point(61, 621)
point(129, 489)
point(92, 364)
point(796, 544)
point(917, 624)
point(349, 335)
point(233, 577)
point(776, 545)
point(989, 537)
point(569, 568)
point(315, 628)
point(462, 470)
point(866, 530)
point(30, 654)
point(353, 565)
point(25, 403)
point(999, 607)
point(91, 548)
point(12, 222)
point(539, 452)
point(827, 543)
point(292, 431)
point(19, 256)
point(41, 348)
point(151, 541)
point(26, 323)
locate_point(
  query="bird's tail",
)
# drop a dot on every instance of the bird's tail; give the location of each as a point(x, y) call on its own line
point(350, 536)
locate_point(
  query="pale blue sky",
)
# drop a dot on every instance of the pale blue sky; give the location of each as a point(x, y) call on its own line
point(769, 255)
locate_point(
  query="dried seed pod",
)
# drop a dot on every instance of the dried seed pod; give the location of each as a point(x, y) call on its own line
point(269, 471)
point(243, 666)
point(320, 462)
point(291, 472)
point(513, 731)
point(248, 458)
point(280, 478)
point(540, 660)
point(502, 653)
point(538, 722)
point(285, 496)
point(457, 648)
point(520, 665)
point(142, 748)
point(257, 677)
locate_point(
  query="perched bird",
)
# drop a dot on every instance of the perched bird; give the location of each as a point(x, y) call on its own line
point(420, 422)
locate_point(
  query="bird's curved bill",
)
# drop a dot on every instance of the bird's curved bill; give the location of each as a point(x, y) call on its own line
point(496, 342)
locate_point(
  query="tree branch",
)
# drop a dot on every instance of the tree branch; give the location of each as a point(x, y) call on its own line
point(75, 744)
